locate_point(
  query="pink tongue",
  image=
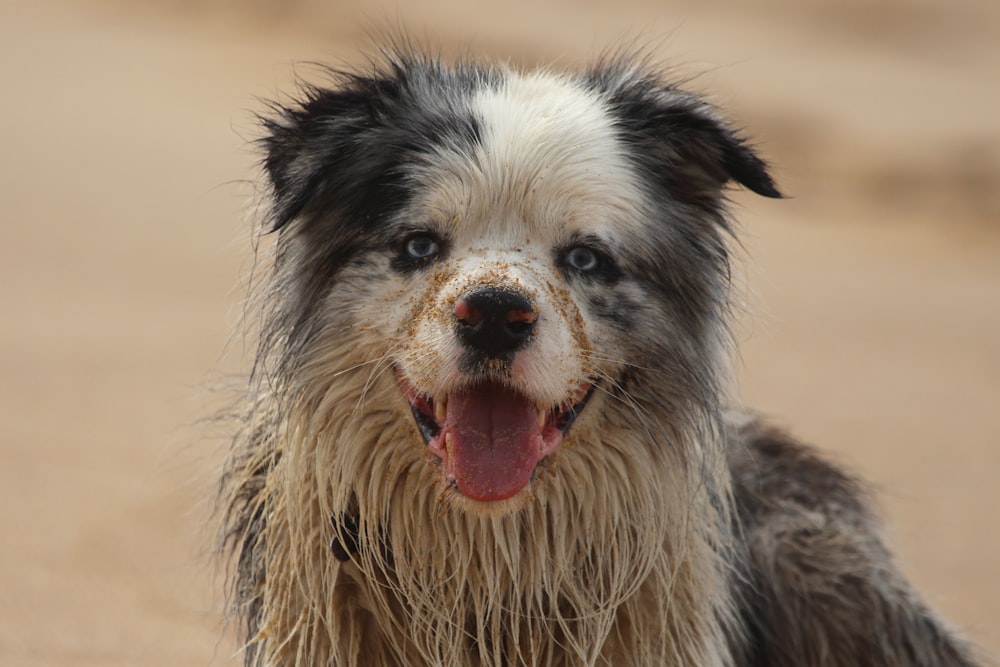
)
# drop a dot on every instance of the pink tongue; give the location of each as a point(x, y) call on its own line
point(493, 442)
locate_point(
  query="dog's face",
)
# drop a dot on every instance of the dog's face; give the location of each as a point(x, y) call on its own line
point(521, 257)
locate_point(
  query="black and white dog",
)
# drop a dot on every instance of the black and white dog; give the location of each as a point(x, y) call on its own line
point(490, 421)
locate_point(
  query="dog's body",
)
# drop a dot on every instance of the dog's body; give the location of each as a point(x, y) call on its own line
point(490, 420)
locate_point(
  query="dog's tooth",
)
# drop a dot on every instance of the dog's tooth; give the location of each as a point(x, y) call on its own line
point(542, 416)
point(447, 441)
point(441, 409)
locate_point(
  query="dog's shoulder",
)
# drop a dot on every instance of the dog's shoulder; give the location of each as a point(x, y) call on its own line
point(821, 587)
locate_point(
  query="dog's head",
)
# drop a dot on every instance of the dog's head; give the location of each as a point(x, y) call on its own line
point(510, 258)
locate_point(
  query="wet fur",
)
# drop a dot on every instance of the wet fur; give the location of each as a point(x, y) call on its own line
point(667, 530)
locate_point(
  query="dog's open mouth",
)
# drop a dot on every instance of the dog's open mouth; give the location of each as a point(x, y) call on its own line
point(490, 438)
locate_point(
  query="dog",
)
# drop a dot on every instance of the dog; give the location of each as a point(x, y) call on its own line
point(490, 421)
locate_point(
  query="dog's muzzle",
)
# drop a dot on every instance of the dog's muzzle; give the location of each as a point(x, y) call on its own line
point(488, 435)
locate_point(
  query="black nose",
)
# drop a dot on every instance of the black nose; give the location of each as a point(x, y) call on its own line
point(495, 321)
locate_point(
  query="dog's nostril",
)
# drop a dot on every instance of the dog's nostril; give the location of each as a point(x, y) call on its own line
point(518, 328)
point(467, 314)
point(494, 321)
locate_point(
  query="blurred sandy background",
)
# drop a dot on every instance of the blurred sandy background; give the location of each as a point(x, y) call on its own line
point(124, 135)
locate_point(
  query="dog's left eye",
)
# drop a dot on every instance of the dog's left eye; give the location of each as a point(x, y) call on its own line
point(421, 246)
point(583, 259)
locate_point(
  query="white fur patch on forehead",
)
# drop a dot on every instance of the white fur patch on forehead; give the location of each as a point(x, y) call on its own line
point(549, 159)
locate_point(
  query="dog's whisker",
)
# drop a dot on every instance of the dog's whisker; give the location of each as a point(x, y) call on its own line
point(383, 364)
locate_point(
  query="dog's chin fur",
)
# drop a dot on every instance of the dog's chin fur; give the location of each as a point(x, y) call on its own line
point(660, 531)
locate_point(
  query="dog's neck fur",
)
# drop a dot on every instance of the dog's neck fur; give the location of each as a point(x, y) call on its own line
point(621, 557)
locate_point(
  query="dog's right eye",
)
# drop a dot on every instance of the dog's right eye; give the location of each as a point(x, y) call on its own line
point(416, 251)
point(421, 246)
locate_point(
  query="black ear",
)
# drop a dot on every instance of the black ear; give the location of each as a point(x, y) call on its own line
point(295, 153)
point(322, 148)
point(744, 166)
point(343, 153)
point(678, 139)
point(699, 153)
point(289, 170)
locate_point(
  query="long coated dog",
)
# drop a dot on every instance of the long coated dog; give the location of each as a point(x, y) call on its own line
point(491, 421)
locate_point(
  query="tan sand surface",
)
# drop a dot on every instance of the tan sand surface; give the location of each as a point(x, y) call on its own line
point(876, 288)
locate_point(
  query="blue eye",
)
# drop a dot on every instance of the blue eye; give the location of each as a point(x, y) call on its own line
point(583, 259)
point(421, 246)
